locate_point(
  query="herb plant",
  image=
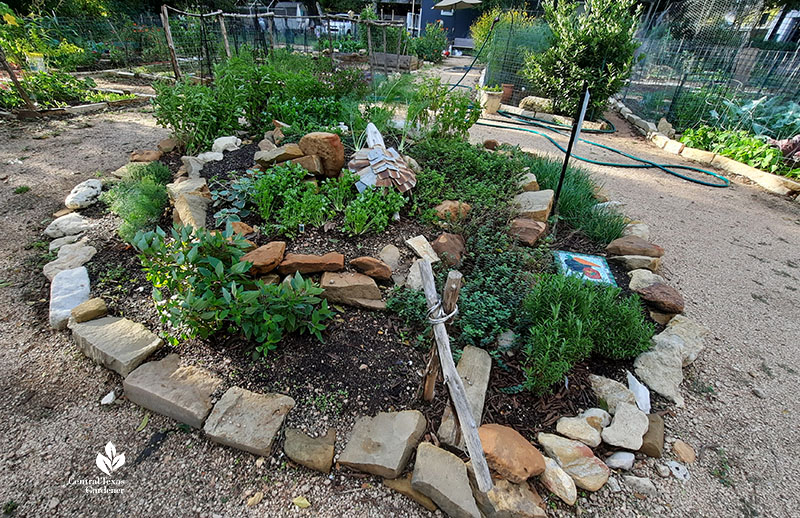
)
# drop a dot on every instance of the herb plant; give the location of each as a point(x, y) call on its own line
point(742, 147)
point(566, 319)
point(430, 45)
point(140, 199)
point(439, 112)
point(372, 210)
point(201, 288)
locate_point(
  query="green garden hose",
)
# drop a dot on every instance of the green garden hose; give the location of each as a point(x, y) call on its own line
point(644, 163)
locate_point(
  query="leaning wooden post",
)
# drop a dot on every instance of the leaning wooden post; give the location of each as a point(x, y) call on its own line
point(21, 91)
point(469, 429)
point(271, 36)
point(452, 289)
point(224, 31)
point(170, 43)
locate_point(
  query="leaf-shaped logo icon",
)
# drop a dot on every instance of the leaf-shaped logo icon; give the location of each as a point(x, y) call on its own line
point(110, 462)
point(103, 463)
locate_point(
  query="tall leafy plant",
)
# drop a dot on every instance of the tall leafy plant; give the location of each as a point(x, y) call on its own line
point(201, 287)
point(592, 45)
point(437, 111)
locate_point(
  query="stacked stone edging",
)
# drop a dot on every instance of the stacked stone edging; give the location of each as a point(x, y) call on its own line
point(771, 182)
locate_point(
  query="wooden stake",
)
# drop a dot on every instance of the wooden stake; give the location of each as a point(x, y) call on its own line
point(21, 91)
point(330, 40)
point(399, 42)
point(224, 32)
point(469, 429)
point(452, 289)
point(170, 43)
point(271, 37)
point(369, 52)
point(385, 54)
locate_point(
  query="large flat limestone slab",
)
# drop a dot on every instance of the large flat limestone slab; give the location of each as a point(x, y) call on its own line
point(381, 445)
point(248, 421)
point(116, 343)
point(442, 477)
point(474, 367)
point(165, 387)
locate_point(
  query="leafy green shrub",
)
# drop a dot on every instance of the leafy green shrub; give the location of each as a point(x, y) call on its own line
point(593, 44)
point(372, 210)
point(479, 30)
point(201, 288)
point(244, 85)
point(439, 112)
point(195, 113)
point(740, 146)
point(430, 45)
point(293, 88)
point(565, 320)
point(139, 202)
point(306, 115)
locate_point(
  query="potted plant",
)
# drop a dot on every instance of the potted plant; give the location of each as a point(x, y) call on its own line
point(508, 91)
point(489, 97)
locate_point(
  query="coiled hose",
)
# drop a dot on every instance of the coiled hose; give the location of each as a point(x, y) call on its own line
point(718, 180)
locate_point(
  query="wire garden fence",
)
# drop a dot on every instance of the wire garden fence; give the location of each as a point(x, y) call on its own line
point(688, 83)
point(515, 36)
point(199, 41)
point(691, 65)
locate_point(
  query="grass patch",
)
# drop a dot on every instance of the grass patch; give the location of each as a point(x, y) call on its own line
point(140, 199)
point(22, 189)
point(577, 204)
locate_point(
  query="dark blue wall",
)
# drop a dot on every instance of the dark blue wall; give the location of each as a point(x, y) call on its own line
point(457, 26)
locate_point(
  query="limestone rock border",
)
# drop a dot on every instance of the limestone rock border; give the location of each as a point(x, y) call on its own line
point(772, 182)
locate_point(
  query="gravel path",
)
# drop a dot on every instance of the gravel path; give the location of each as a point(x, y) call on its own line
point(733, 253)
point(735, 256)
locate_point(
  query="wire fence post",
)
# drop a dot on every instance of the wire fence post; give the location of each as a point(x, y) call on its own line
point(21, 91)
point(170, 43)
point(224, 31)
